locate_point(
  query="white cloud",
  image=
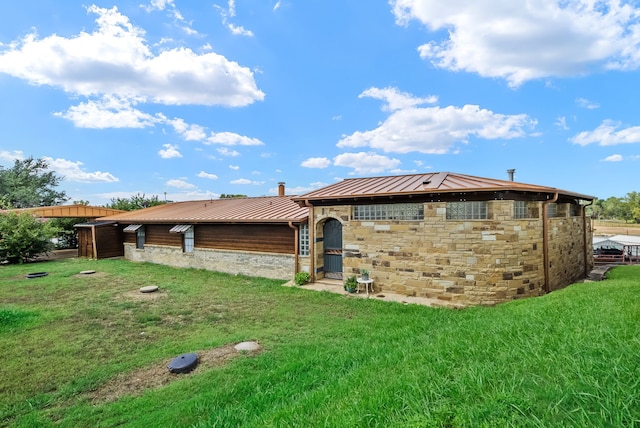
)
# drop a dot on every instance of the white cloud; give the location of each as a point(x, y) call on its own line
point(585, 103)
point(239, 30)
point(158, 5)
point(180, 184)
point(72, 171)
point(366, 163)
point(520, 41)
point(189, 132)
point(108, 112)
point(116, 60)
point(232, 139)
point(11, 157)
point(226, 152)
point(230, 12)
point(207, 175)
point(276, 6)
point(561, 122)
point(607, 134)
point(169, 151)
point(234, 167)
point(433, 130)
point(613, 158)
point(247, 181)
point(316, 163)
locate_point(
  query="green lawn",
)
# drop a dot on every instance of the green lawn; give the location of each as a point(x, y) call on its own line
point(571, 358)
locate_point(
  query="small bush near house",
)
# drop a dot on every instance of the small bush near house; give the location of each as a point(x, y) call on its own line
point(302, 278)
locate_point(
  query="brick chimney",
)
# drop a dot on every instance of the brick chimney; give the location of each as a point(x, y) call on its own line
point(281, 188)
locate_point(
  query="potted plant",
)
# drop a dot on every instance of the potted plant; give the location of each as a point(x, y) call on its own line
point(351, 284)
point(364, 273)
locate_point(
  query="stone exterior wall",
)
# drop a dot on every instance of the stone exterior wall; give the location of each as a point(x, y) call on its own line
point(267, 265)
point(566, 251)
point(467, 261)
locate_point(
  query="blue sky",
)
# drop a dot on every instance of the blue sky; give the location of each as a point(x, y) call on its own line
point(191, 99)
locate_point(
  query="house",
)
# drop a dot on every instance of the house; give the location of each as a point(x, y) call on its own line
point(449, 236)
point(250, 236)
point(454, 237)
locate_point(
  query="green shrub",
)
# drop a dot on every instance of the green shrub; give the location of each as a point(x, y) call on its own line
point(302, 278)
point(24, 236)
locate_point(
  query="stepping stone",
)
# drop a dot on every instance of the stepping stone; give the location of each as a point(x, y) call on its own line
point(87, 272)
point(247, 346)
point(149, 289)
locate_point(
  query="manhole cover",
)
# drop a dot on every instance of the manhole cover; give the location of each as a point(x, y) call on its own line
point(183, 363)
point(149, 289)
point(37, 274)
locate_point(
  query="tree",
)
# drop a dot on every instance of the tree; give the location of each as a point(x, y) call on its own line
point(232, 196)
point(24, 236)
point(134, 202)
point(29, 184)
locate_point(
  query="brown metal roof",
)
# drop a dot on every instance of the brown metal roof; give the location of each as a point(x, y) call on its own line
point(415, 184)
point(74, 211)
point(267, 209)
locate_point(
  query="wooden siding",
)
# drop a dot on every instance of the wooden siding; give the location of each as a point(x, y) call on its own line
point(85, 242)
point(109, 242)
point(158, 234)
point(273, 238)
point(129, 238)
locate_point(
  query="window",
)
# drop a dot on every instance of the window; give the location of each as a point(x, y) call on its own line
point(520, 209)
point(575, 210)
point(140, 237)
point(188, 236)
point(304, 240)
point(552, 210)
point(188, 240)
point(470, 210)
point(389, 212)
point(138, 229)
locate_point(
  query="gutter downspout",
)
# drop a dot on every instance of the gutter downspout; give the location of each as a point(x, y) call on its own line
point(312, 241)
point(545, 240)
point(584, 237)
point(297, 247)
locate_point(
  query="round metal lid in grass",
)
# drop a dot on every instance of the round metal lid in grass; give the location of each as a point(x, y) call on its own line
point(183, 363)
point(87, 272)
point(37, 274)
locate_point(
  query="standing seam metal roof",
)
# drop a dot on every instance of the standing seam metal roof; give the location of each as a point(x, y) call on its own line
point(439, 182)
point(267, 209)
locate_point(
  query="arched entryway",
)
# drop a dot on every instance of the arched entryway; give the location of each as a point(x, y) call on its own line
point(332, 234)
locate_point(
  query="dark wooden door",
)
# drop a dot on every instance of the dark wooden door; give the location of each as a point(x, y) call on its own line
point(332, 232)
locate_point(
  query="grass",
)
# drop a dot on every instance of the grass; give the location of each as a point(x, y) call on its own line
point(565, 359)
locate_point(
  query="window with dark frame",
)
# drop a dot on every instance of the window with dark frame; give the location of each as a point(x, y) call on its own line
point(140, 238)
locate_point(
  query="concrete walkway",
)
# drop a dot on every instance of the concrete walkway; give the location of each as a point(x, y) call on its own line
point(336, 286)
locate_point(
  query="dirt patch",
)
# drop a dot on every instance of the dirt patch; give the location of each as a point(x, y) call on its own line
point(158, 375)
point(138, 295)
point(91, 275)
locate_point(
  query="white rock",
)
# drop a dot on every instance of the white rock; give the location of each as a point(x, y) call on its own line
point(247, 346)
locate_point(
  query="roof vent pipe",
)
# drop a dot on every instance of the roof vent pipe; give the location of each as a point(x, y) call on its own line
point(281, 188)
point(511, 172)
